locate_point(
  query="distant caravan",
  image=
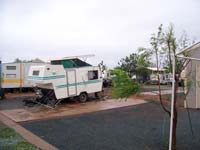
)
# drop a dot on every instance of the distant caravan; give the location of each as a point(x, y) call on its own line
point(14, 76)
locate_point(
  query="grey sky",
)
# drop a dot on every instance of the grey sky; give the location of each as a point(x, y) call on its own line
point(110, 29)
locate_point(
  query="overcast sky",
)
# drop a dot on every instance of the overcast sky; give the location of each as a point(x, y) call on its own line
point(110, 29)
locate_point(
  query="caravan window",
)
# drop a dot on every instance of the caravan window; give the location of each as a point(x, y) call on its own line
point(10, 75)
point(92, 75)
point(36, 73)
point(11, 67)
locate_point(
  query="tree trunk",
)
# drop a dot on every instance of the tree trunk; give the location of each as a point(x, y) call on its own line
point(159, 89)
point(175, 118)
point(169, 56)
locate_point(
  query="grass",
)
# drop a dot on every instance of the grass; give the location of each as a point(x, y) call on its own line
point(10, 140)
point(7, 132)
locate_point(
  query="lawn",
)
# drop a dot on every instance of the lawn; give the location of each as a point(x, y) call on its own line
point(10, 140)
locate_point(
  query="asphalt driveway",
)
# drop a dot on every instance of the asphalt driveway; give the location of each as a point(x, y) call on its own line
point(139, 127)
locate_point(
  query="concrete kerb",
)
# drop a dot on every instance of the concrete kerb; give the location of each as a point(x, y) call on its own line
point(27, 135)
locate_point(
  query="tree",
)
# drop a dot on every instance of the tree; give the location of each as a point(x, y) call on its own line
point(129, 64)
point(157, 41)
point(168, 45)
point(123, 86)
point(143, 62)
point(163, 44)
point(180, 64)
point(17, 60)
point(136, 64)
point(36, 60)
point(102, 66)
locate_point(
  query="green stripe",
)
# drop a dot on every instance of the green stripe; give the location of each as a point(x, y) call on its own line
point(46, 77)
point(78, 83)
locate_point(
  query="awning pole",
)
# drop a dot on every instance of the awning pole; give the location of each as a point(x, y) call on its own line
point(0, 74)
point(172, 103)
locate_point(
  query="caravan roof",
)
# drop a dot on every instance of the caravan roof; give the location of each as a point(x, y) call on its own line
point(75, 57)
point(70, 63)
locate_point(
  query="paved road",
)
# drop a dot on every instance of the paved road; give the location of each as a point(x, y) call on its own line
point(140, 127)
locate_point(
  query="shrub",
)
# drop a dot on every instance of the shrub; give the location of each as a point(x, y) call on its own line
point(122, 85)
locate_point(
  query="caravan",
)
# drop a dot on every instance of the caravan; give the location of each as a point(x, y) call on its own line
point(64, 78)
point(14, 75)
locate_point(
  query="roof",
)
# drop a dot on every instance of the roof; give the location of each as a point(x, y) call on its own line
point(11, 63)
point(74, 57)
point(70, 63)
point(189, 48)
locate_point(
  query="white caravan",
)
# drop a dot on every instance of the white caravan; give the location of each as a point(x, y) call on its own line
point(14, 75)
point(67, 77)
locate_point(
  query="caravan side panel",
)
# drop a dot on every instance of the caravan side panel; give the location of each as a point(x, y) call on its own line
point(88, 80)
point(11, 74)
point(26, 66)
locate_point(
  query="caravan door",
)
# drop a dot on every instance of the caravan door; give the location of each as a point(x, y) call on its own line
point(71, 80)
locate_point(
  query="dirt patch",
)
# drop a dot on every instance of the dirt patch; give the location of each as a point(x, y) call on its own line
point(38, 113)
point(11, 96)
point(166, 98)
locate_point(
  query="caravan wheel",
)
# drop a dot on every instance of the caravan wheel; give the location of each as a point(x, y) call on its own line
point(83, 97)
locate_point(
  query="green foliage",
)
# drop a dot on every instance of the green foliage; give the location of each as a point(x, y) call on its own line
point(142, 72)
point(136, 64)
point(129, 64)
point(36, 60)
point(143, 63)
point(7, 132)
point(165, 45)
point(23, 145)
point(123, 86)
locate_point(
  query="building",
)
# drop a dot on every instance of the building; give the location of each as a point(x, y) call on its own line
point(191, 76)
point(165, 78)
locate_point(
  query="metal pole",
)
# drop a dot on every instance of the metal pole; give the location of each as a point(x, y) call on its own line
point(172, 104)
point(0, 74)
point(191, 58)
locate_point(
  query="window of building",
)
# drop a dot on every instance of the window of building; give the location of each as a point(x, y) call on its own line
point(36, 72)
point(92, 75)
point(11, 67)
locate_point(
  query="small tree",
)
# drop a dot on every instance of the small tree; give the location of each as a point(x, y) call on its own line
point(123, 86)
point(173, 47)
point(157, 42)
point(166, 44)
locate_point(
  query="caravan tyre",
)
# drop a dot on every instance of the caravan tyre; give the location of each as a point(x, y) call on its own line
point(83, 97)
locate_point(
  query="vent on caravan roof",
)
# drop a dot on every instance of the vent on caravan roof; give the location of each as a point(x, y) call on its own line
point(70, 63)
